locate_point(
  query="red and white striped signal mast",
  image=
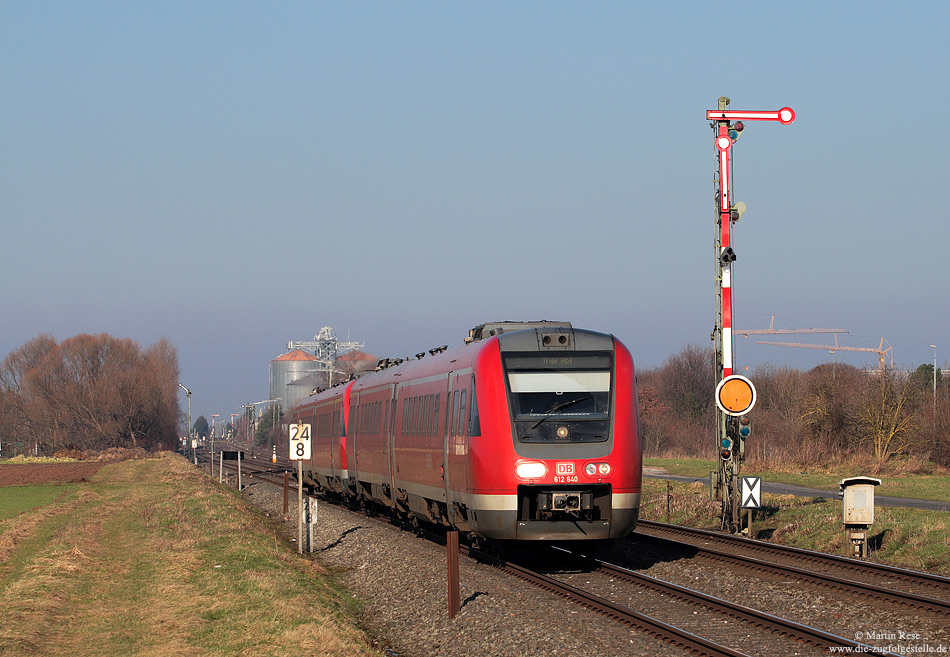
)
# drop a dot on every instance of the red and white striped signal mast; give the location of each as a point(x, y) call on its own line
point(735, 395)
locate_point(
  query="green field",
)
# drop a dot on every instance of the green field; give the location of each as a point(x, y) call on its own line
point(15, 500)
point(152, 558)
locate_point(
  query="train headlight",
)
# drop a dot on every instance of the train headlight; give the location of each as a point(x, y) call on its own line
point(597, 469)
point(562, 432)
point(531, 469)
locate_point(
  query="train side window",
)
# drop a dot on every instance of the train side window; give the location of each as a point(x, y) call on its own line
point(462, 416)
point(474, 425)
point(435, 415)
point(448, 413)
point(430, 429)
point(454, 412)
point(424, 429)
point(414, 429)
point(416, 404)
point(405, 416)
point(430, 405)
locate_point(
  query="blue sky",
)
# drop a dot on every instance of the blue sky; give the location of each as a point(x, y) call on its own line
point(236, 175)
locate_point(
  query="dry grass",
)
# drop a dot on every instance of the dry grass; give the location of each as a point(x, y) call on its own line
point(157, 560)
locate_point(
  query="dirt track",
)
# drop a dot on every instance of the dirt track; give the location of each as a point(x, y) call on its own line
point(40, 473)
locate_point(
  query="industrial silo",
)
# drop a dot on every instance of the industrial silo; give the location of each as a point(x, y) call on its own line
point(292, 376)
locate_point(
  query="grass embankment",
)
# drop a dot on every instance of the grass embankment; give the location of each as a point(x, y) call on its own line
point(910, 538)
point(151, 558)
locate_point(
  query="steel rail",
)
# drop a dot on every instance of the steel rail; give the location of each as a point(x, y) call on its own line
point(669, 633)
point(904, 574)
point(776, 624)
point(920, 602)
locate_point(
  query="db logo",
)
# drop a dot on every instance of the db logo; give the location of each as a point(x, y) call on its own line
point(565, 468)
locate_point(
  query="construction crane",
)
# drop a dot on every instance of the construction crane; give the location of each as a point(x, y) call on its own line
point(771, 330)
point(881, 351)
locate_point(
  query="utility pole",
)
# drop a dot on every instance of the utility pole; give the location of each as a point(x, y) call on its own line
point(188, 395)
point(735, 394)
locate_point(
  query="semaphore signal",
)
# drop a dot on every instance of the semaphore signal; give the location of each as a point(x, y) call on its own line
point(728, 125)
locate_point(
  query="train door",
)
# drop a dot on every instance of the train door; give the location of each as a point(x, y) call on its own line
point(348, 442)
point(455, 444)
point(446, 429)
point(338, 443)
point(350, 429)
point(390, 442)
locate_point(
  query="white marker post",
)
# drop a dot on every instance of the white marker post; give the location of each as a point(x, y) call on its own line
point(299, 452)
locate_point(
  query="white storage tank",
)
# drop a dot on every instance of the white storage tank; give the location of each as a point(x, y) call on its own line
point(290, 368)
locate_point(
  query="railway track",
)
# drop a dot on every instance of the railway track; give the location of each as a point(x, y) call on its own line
point(719, 619)
point(916, 590)
point(666, 632)
point(698, 622)
point(679, 604)
point(685, 612)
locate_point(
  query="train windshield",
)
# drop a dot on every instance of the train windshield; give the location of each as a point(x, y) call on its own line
point(564, 398)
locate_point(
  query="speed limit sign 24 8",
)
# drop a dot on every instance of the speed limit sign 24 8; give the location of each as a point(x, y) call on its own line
point(299, 442)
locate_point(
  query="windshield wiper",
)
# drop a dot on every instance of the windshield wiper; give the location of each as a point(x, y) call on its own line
point(559, 407)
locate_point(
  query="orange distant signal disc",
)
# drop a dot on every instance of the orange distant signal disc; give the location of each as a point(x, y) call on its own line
point(735, 395)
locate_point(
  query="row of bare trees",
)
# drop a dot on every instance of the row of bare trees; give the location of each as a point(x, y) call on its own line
point(831, 413)
point(90, 392)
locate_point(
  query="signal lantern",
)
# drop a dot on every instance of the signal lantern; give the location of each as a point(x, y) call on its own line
point(745, 427)
point(744, 431)
point(735, 129)
point(726, 452)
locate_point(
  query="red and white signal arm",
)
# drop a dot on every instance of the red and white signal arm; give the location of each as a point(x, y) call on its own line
point(299, 442)
point(785, 116)
point(735, 395)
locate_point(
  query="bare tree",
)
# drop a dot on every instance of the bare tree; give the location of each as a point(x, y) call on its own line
point(828, 411)
point(680, 419)
point(92, 392)
point(688, 382)
point(21, 417)
point(888, 415)
point(779, 429)
point(655, 417)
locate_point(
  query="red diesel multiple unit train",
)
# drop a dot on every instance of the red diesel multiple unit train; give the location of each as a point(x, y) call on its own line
point(529, 431)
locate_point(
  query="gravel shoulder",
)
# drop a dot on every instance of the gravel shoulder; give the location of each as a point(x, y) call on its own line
point(401, 581)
